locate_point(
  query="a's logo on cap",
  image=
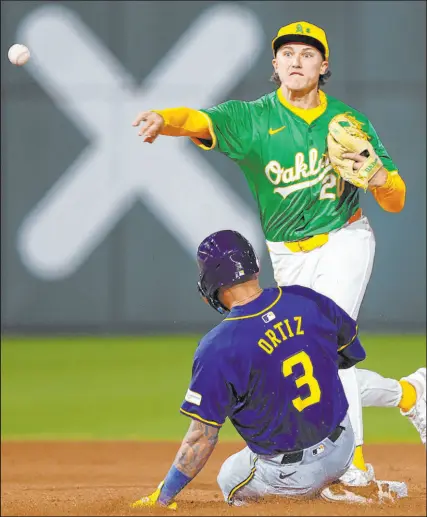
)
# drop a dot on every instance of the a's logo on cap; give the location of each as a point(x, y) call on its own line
point(300, 29)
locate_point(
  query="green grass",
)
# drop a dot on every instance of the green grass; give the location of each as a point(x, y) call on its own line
point(131, 388)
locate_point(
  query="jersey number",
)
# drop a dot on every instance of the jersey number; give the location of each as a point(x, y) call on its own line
point(307, 378)
point(332, 186)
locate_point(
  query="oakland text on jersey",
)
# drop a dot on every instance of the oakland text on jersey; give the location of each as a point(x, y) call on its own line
point(282, 332)
point(277, 174)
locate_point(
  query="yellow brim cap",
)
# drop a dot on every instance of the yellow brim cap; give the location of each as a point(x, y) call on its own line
point(303, 32)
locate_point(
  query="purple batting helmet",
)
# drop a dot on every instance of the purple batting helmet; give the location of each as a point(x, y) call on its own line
point(224, 258)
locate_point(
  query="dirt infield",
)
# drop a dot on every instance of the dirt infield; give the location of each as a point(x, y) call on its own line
point(102, 478)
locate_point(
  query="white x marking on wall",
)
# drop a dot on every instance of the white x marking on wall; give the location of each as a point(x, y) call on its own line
point(92, 88)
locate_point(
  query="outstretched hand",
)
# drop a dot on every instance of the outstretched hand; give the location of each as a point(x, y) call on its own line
point(151, 128)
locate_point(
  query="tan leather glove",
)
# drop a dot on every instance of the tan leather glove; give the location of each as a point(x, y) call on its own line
point(346, 136)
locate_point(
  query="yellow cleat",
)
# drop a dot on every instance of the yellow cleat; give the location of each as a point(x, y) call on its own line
point(151, 500)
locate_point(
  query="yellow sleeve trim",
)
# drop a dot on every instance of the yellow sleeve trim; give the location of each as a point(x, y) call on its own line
point(391, 195)
point(211, 131)
point(258, 313)
point(197, 417)
point(183, 121)
point(351, 340)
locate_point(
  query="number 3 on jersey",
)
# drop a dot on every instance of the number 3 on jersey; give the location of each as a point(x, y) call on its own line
point(306, 379)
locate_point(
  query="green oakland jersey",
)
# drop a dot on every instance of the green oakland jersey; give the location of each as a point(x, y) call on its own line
point(283, 158)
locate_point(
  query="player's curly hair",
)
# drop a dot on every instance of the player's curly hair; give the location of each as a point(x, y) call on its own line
point(323, 79)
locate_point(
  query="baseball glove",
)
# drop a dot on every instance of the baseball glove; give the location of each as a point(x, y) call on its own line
point(346, 136)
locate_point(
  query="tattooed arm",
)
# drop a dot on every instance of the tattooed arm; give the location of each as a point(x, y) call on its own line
point(197, 446)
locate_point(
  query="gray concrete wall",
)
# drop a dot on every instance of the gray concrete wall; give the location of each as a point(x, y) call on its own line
point(99, 232)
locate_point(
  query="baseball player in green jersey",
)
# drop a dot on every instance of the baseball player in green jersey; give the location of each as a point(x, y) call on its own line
point(314, 228)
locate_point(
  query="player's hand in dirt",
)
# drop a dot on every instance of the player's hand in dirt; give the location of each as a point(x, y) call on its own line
point(153, 124)
point(152, 500)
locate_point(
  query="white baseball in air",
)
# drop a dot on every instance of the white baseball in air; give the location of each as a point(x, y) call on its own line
point(18, 54)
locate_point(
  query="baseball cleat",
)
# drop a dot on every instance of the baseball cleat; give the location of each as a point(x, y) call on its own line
point(417, 415)
point(357, 477)
point(373, 492)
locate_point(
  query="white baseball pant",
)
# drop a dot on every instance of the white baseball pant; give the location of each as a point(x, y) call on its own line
point(340, 269)
point(246, 476)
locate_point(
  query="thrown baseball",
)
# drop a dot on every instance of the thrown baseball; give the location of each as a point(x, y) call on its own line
point(18, 54)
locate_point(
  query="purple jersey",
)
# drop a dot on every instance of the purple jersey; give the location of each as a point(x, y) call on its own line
point(271, 367)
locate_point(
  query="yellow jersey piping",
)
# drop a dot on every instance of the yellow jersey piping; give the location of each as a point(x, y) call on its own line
point(197, 417)
point(258, 313)
point(351, 340)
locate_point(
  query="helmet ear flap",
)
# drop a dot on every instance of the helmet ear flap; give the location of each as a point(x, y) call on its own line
point(211, 300)
point(201, 290)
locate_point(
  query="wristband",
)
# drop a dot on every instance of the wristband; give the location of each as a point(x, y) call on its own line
point(175, 481)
